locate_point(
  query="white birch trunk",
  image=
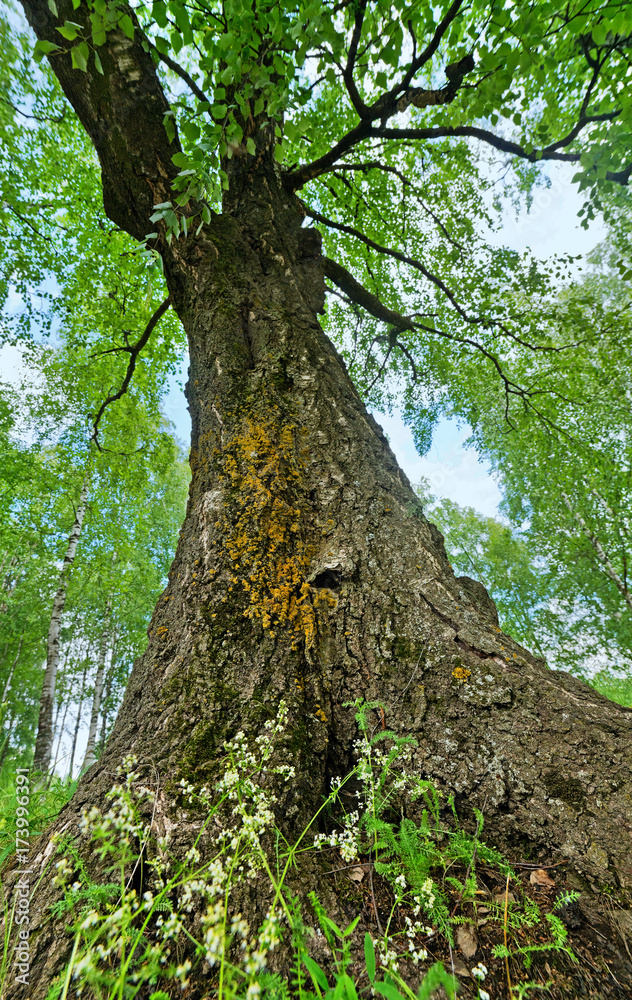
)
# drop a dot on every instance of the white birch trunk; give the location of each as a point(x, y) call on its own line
point(11, 672)
point(44, 740)
point(602, 555)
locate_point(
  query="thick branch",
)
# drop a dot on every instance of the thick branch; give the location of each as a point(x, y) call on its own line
point(389, 104)
point(393, 102)
point(347, 75)
point(479, 321)
point(133, 352)
point(362, 296)
point(122, 110)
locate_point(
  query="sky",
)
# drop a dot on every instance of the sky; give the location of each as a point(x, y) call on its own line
point(454, 471)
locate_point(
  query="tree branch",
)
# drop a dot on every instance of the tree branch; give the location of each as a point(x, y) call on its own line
point(347, 75)
point(391, 103)
point(122, 109)
point(360, 296)
point(133, 351)
point(182, 73)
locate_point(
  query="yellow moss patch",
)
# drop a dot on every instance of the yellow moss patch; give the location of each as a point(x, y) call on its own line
point(265, 508)
point(461, 674)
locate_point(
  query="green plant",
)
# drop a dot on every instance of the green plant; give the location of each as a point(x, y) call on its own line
point(124, 944)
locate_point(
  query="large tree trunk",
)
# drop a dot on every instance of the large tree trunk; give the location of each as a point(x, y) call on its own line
point(306, 572)
point(44, 739)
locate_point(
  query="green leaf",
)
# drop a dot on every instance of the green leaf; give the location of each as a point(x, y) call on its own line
point(369, 956)
point(79, 56)
point(43, 48)
point(349, 987)
point(127, 26)
point(388, 991)
point(159, 10)
point(52, 6)
point(97, 63)
point(250, 146)
point(69, 31)
point(318, 976)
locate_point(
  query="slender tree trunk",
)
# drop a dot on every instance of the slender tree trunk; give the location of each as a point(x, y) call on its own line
point(108, 690)
point(89, 758)
point(78, 720)
point(44, 739)
point(6, 743)
point(61, 734)
point(601, 554)
point(11, 671)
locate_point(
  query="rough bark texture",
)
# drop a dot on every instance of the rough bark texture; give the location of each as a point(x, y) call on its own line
point(44, 741)
point(307, 572)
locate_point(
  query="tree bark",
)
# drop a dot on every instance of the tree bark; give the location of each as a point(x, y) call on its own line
point(6, 743)
point(89, 757)
point(306, 571)
point(44, 739)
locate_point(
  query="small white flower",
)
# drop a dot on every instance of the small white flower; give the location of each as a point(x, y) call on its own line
point(483, 994)
point(479, 971)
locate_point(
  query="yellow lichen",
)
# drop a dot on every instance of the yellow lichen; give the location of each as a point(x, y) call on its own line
point(264, 525)
point(461, 674)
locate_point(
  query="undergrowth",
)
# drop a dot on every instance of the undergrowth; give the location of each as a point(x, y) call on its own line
point(45, 802)
point(150, 921)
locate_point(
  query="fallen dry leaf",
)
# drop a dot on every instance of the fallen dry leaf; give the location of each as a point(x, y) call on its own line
point(500, 897)
point(460, 968)
point(467, 940)
point(540, 877)
point(356, 874)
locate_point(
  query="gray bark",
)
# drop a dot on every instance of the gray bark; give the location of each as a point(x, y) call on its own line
point(44, 739)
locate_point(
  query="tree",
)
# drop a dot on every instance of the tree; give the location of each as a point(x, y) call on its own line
point(566, 480)
point(306, 570)
point(543, 604)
